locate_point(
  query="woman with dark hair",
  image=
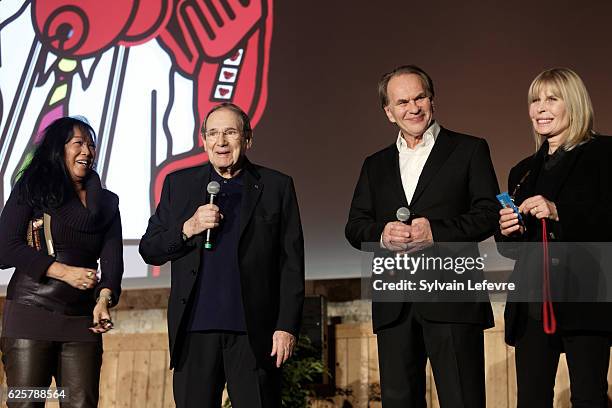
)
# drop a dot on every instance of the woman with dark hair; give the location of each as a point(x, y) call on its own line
point(564, 196)
point(56, 305)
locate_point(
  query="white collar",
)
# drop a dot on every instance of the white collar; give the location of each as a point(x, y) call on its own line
point(429, 138)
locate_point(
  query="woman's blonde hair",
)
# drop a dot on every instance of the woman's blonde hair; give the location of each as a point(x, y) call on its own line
point(567, 85)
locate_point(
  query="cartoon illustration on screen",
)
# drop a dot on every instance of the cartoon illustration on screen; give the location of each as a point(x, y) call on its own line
point(143, 72)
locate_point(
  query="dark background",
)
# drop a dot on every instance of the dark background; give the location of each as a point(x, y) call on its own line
point(323, 117)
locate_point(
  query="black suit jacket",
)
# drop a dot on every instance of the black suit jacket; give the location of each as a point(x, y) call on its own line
point(455, 192)
point(582, 193)
point(270, 252)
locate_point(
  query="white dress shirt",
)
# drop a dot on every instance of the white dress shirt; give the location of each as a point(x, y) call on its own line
point(412, 161)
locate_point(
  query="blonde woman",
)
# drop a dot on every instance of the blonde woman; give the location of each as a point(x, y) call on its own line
point(568, 184)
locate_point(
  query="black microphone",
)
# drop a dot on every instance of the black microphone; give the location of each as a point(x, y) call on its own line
point(403, 214)
point(213, 189)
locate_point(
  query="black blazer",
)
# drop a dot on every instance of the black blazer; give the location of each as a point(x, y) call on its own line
point(270, 252)
point(456, 192)
point(582, 193)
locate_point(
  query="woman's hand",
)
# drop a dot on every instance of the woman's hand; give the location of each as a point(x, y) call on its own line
point(539, 207)
point(101, 317)
point(75, 276)
point(509, 223)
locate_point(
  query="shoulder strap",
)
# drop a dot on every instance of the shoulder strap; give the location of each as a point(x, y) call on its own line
point(518, 185)
point(48, 237)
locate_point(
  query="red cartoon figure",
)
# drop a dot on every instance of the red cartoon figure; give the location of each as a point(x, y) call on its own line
point(143, 72)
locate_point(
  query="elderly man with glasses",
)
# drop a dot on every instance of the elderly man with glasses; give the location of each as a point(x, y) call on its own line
point(235, 303)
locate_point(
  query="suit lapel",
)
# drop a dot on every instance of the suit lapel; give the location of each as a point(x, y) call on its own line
point(566, 164)
point(555, 184)
point(442, 148)
point(394, 169)
point(199, 196)
point(564, 171)
point(251, 192)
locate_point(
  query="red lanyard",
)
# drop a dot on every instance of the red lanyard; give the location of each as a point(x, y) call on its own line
point(548, 313)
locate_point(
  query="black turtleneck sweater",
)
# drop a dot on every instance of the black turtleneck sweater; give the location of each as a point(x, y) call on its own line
point(42, 308)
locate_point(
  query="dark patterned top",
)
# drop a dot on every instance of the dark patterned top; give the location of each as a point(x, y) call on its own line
point(43, 308)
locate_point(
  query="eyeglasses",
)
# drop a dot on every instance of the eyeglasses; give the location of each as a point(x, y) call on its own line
point(229, 133)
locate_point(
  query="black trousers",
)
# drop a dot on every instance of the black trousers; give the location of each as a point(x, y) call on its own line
point(209, 360)
point(456, 353)
point(537, 357)
point(33, 363)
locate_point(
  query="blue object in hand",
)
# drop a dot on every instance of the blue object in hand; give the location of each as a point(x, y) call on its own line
point(506, 202)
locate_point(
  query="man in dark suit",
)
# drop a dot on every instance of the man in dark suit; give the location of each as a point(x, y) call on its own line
point(234, 310)
point(447, 179)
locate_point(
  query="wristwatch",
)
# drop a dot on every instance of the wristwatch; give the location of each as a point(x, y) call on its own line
point(184, 236)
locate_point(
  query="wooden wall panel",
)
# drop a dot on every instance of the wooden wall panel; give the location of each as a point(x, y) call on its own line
point(500, 370)
point(610, 376)
point(125, 375)
point(562, 391)
point(433, 401)
point(496, 369)
point(157, 378)
point(108, 379)
point(140, 378)
point(511, 380)
point(373, 373)
point(341, 362)
point(168, 393)
point(135, 371)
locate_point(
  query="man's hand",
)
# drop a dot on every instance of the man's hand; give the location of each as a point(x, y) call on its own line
point(421, 231)
point(396, 236)
point(539, 207)
point(206, 217)
point(283, 344)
